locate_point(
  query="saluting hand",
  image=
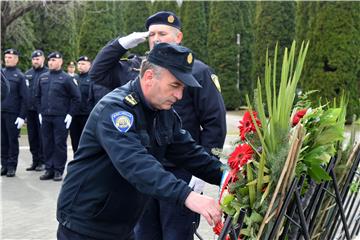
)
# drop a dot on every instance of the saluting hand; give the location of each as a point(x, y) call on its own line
point(133, 39)
point(204, 205)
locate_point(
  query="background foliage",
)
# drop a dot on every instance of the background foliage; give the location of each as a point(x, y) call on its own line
point(212, 30)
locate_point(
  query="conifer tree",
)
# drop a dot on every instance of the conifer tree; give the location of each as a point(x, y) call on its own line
point(194, 28)
point(332, 64)
point(222, 50)
point(274, 22)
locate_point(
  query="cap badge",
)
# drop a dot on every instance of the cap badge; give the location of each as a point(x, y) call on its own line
point(57, 56)
point(38, 53)
point(11, 52)
point(189, 58)
point(171, 19)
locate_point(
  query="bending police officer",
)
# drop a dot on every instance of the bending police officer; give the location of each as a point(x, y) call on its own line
point(118, 165)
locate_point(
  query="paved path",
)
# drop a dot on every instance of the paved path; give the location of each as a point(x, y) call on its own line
point(27, 205)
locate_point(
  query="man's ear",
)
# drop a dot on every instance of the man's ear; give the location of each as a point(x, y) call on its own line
point(148, 77)
point(179, 37)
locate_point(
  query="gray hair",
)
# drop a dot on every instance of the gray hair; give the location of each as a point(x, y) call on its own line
point(145, 65)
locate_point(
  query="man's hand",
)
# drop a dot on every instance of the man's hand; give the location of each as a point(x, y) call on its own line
point(133, 39)
point(204, 205)
point(19, 122)
point(40, 119)
point(197, 184)
point(68, 120)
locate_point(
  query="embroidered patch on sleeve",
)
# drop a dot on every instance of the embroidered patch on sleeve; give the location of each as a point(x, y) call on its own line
point(122, 121)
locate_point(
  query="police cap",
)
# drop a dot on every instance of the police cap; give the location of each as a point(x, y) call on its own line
point(11, 51)
point(163, 17)
point(37, 53)
point(55, 54)
point(177, 59)
point(84, 58)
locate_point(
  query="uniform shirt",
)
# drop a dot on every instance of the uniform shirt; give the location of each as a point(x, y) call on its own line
point(202, 109)
point(84, 83)
point(15, 102)
point(57, 94)
point(118, 165)
point(32, 81)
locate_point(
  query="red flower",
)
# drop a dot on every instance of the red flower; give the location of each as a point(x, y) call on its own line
point(298, 115)
point(240, 156)
point(247, 125)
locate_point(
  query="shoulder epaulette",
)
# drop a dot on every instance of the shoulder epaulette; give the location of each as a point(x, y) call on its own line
point(131, 99)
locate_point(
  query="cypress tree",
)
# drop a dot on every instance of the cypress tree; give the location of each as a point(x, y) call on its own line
point(222, 50)
point(275, 22)
point(135, 15)
point(194, 28)
point(333, 59)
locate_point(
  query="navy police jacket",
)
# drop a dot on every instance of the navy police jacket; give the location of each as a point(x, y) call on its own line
point(84, 83)
point(32, 81)
point(57, 94)
point(15, 102)
point(118, 165)
point(202, 110)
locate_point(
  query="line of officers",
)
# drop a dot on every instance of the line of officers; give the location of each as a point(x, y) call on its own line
point(52, 101)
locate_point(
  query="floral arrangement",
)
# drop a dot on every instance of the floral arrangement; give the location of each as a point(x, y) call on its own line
point(291, 139)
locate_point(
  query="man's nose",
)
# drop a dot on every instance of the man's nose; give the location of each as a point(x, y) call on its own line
point(179, 93)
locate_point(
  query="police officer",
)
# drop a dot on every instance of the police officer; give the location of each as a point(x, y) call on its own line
point(202, 111)
point(58, 99)
point(118, 165)
point(13, 113)
point(71, 68)
point(33, 124)
point(79, 120)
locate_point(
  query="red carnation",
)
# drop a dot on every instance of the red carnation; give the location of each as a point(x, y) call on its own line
point(298, 115)
point(247, 125)
point(240, 156)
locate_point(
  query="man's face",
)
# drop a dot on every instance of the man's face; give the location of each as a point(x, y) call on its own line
point(83, 66)
point(11, 60)
point(165, 90)
point(163, 33)
point(55, 63)
point(37, 62)
point(71, 69)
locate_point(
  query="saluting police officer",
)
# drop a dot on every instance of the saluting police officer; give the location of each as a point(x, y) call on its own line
point(58, 99)
point(80, 118)
point(13, 113)
point(202, 111)
point(33, 124)
point(118, 165)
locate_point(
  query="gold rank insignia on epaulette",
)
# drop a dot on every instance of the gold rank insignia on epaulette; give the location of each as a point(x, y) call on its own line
point(215, 80)
point(131, 100)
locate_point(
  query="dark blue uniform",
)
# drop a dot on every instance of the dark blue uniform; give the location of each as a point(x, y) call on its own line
point(5, 86)
point(203, 113)
point(57, 96)
point(79, 119)
point(118, 166)
point(13, 106)
point(33, 124)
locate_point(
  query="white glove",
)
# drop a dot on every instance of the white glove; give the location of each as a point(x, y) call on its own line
point(67, 121)
point(19, 122)
point(40, 119)
point(197, 184)
point(133, 39)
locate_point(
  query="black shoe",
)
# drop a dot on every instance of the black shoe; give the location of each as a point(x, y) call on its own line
point(47, 175)
point(31, 168)
point(3, 171)
point(57, 176)
point(10, 172)
point(40, 167)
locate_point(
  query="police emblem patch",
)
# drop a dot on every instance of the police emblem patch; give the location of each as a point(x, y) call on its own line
point(215, 80)
point(122, 120)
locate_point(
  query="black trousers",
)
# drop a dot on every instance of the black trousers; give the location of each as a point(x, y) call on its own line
point(54, 134)
point(77, 125)
point(9, 140)
point(34, 136)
